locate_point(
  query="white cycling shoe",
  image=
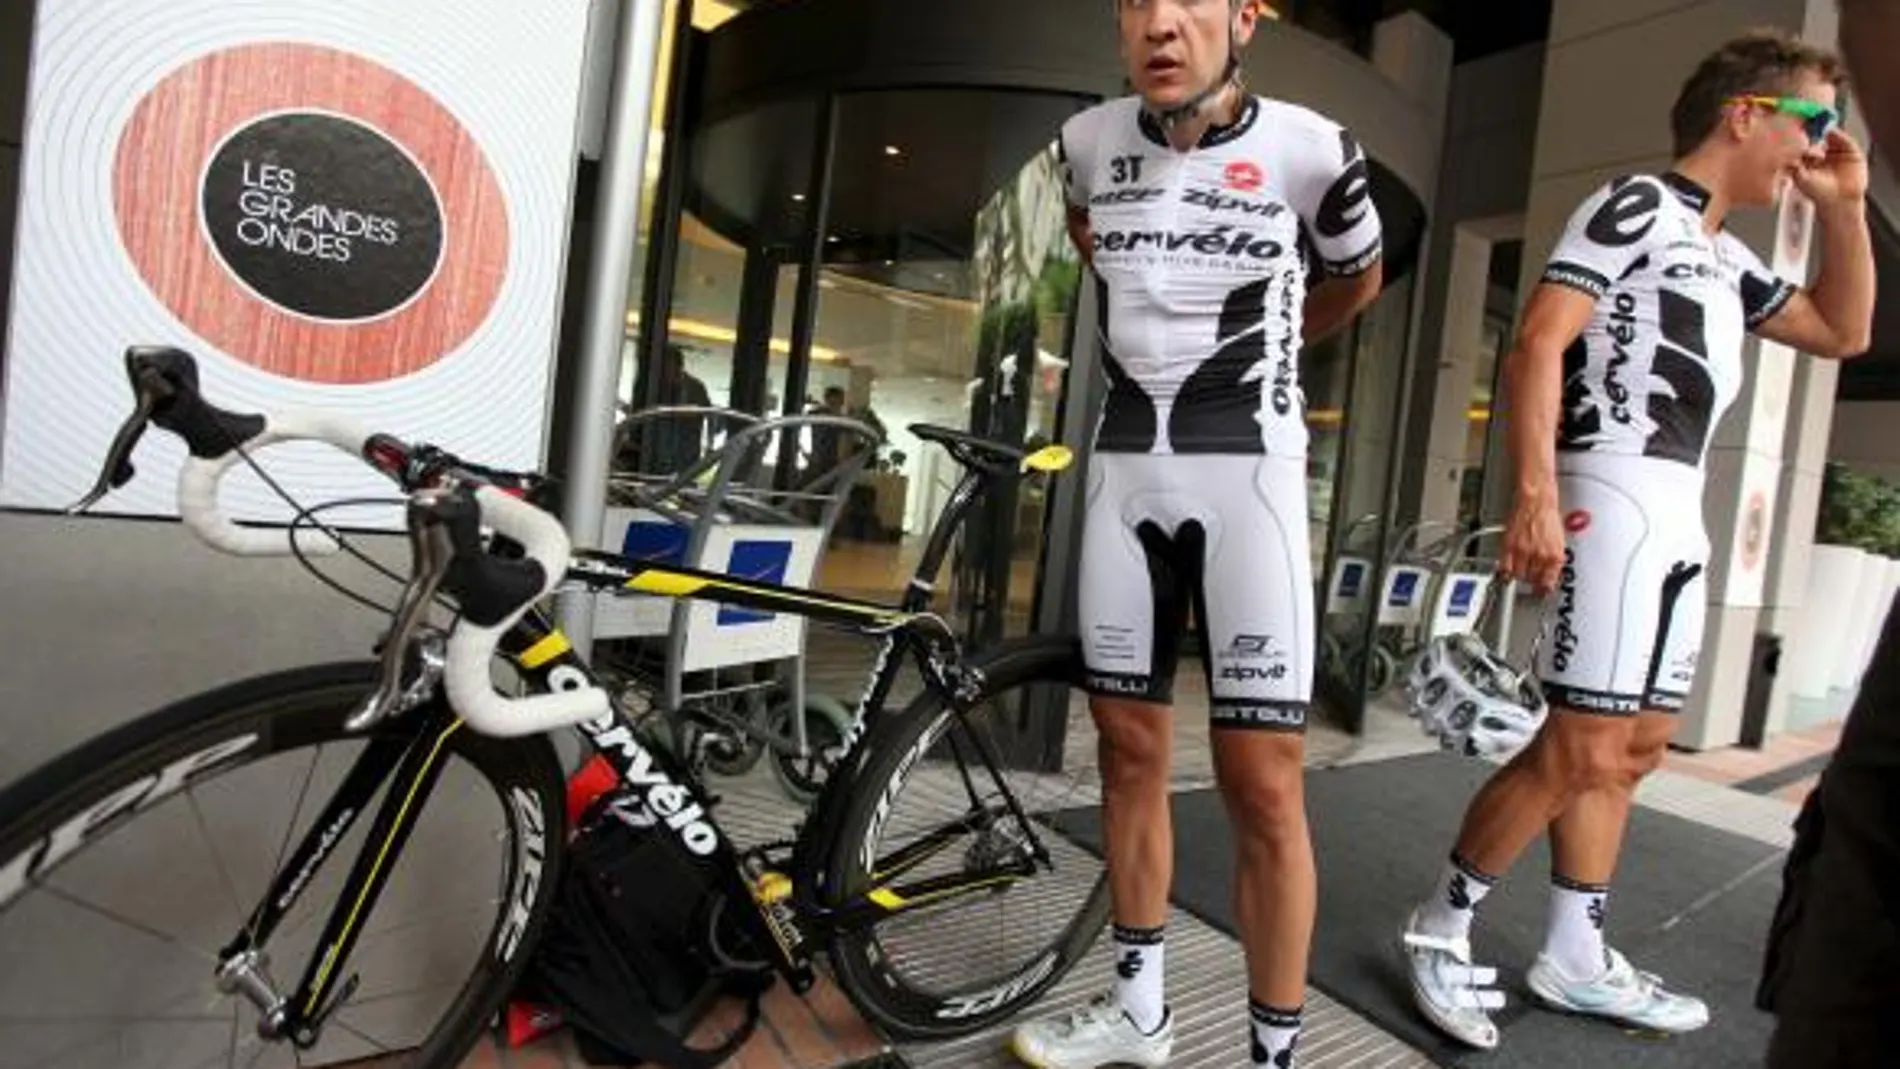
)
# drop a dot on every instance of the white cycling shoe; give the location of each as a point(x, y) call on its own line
point(1621, 994)
point(1452, 993)
point(1097, 1034)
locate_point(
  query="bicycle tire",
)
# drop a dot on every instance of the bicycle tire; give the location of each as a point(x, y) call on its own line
point(863, 971)
point(290, 711)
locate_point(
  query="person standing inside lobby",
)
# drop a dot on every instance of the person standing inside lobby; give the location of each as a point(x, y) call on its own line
point(1225, 231)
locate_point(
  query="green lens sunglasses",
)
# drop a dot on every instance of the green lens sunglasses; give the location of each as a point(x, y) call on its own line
point(1816, 118)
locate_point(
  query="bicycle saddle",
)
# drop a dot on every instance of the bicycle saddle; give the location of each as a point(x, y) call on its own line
point(970, 449)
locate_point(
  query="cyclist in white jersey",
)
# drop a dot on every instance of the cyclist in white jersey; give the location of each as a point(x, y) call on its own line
point(1629, 353)
point(1224, 231)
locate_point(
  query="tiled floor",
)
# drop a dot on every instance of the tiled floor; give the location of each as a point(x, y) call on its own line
point(1737, 766)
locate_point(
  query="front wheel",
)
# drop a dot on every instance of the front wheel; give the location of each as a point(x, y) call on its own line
point(128, 866)
point(960, 899)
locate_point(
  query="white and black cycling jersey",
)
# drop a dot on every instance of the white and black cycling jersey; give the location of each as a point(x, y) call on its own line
point(1661, 359)
point(1201, 260)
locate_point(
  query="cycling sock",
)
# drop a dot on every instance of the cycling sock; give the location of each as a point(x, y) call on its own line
point(1138, 977)
point(1276, 1033)
point(1454, 902)
point(1574, 940)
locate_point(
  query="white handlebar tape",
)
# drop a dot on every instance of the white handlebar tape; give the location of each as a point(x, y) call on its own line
point(470, 688)
point(199, 478)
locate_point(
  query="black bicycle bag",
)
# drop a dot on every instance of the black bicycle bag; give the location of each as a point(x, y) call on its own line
point(627, 945)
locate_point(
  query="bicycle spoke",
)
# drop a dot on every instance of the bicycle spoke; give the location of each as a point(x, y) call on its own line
point(143, 929)
point(211, 844)
point(290, 832)
point(339, 1022)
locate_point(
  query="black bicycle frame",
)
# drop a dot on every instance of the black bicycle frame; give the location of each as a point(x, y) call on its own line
point(410, 763)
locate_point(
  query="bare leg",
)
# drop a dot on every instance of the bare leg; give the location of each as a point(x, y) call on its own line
point(1136, 741)
point(1275, 886)
point(1587, 836)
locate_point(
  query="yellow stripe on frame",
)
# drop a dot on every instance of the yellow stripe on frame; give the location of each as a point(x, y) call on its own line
point(551, 646)
point(673, 585)
point(382, 856)
point(666, 584)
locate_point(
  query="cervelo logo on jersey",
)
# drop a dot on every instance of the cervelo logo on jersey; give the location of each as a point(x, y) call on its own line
point(1284, 375)
point(1627, 216)
point(1622, 332)
point(1684, 272)
point(1221, 241)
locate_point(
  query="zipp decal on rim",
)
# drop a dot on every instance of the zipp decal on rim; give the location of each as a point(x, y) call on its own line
point(43, 856)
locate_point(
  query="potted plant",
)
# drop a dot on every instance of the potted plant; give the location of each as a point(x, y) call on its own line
point(1852, 574)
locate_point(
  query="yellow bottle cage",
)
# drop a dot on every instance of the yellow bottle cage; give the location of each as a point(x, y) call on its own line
point(1050, 458)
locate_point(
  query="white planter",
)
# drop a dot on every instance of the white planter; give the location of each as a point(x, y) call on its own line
point(1869, 587)
point(1826, 608)
point(1886, 582)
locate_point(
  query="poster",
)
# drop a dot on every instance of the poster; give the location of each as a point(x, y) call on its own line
point(338, 204)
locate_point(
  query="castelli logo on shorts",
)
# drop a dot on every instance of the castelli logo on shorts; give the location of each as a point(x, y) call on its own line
point(1245, 176)
point(1577, 521)
point(1564, 636)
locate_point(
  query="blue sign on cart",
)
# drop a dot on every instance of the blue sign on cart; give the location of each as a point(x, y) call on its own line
point(1463, 593)
point(759, 560)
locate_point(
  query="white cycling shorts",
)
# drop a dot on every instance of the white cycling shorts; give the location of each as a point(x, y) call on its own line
point(1623, 629)
point(1223, 534)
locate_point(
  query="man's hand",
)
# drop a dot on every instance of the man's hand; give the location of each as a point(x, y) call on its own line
point(1534, 542)
point(1840, 176)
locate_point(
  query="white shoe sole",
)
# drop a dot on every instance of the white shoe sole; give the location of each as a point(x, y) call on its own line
point(1016, 1048)
point(1486, 1039)
point(1555, 1001)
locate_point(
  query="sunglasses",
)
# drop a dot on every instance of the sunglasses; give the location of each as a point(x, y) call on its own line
point(1816, 118)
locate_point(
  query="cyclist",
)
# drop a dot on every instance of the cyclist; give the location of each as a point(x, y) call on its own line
point(1202, 209)
point(1628, 354)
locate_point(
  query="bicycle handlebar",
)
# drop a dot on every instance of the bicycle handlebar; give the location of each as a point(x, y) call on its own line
point(199, 478)
point(450, 502)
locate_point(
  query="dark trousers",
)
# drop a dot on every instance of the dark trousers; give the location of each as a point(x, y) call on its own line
point(1835, 1041)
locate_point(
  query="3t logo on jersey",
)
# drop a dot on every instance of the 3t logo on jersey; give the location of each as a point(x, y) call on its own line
point(1125, 169)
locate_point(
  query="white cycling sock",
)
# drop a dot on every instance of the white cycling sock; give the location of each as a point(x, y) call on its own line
point(1574, 940)
point(1138, 973)
point(1276, 1034)
point(1454, 902)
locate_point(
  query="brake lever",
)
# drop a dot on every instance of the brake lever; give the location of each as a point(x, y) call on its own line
point(118, 469)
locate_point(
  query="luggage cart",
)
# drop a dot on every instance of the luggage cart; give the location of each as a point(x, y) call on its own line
point(740, 504)
point(1348, 592)
point(1404, 588)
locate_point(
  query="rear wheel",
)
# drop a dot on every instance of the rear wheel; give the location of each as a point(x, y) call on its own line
point(128, 865)
point(970, 910)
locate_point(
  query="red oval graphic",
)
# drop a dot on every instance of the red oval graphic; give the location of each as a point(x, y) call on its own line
point(160, 177)
point(1577, 521)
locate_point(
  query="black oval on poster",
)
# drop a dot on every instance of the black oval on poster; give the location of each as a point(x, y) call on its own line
point(322, 216)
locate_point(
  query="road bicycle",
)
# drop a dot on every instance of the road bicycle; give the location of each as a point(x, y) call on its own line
point(96, 838)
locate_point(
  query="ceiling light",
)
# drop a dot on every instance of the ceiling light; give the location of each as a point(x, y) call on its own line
point(893, 150)
point(798, 196)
